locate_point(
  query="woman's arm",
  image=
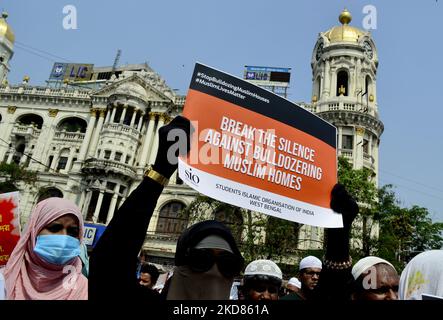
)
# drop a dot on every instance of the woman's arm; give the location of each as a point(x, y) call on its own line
point(336, 272)
point(113, 261)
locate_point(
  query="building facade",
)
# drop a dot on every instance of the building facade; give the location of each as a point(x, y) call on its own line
point(91, 140)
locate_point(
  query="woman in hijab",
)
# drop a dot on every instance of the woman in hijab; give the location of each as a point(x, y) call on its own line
point(207, 260)
point(45, 263)
point(422, 278)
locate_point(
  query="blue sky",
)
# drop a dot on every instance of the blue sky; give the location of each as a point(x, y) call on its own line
point(171, 35)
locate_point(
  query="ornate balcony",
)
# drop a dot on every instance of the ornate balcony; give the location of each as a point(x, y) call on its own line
point(121, 129)
point(26, 130)
point(346, 153)
point(345, 104)
point(69, 136)
point(100, 166)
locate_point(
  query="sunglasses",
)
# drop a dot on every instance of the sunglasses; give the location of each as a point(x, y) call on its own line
point(201, 260)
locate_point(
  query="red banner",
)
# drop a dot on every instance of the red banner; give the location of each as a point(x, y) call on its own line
point(9, 224)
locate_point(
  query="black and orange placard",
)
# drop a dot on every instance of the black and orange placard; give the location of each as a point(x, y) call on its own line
point(259, 151)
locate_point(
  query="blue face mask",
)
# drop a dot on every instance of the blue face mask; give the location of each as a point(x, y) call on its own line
point(57, 249)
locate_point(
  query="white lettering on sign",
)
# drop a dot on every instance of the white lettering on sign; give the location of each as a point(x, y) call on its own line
point(89, 235)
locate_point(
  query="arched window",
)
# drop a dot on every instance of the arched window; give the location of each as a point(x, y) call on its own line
point(342, 83)
point(72, 124)
point(29, 119)
point(170, 219)
point(49, 193)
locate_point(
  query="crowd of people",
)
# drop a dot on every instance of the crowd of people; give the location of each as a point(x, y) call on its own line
point(49, 261)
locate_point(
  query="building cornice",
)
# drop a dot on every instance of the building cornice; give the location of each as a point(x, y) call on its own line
point(350, 118)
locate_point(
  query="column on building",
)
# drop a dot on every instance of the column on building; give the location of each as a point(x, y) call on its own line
point(359, 84)
point(88, 135)
point(340, 137)
point(97, 132)
point(55, 161)
point(82, 202)
point(108, 114)
point(140, 121)
point(333, 90)
point(122, 118)
point(370, 143)
point(148, 138)
point(98, 206)
point(45, 138)
point(358, 147)
point(70, 159)
point(134, 114)
point(114, 111)
point(11, 154)
point(112, 206)
point(154, 148)
point(375, 156)
point(7, 126)
point(327, 80)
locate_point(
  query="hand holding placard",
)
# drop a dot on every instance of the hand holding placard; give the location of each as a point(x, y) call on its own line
point(174, 139)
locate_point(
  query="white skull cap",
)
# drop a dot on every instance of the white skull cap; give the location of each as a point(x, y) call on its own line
point(295, 282)
point(310, 262)
point(263, 267)
point(365, 263)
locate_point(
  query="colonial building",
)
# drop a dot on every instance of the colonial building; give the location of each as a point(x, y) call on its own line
point(91, 140)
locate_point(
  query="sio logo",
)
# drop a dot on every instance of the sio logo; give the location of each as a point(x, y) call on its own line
point(193, 178)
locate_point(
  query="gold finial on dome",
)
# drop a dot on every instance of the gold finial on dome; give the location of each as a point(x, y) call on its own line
point(345, 17)
point(344, 32)
point(5, 28)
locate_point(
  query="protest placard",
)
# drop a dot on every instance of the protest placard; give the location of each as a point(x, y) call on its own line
point(259, 151)
point(9, 224)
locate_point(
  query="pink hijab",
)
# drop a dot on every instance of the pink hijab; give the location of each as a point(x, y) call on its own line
point(29, 277)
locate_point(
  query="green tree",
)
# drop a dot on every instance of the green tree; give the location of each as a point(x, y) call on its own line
point(403, 232)
point(12, 175)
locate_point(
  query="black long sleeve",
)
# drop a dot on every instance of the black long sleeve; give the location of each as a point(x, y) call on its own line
point(334, 284)
point(113, 261)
